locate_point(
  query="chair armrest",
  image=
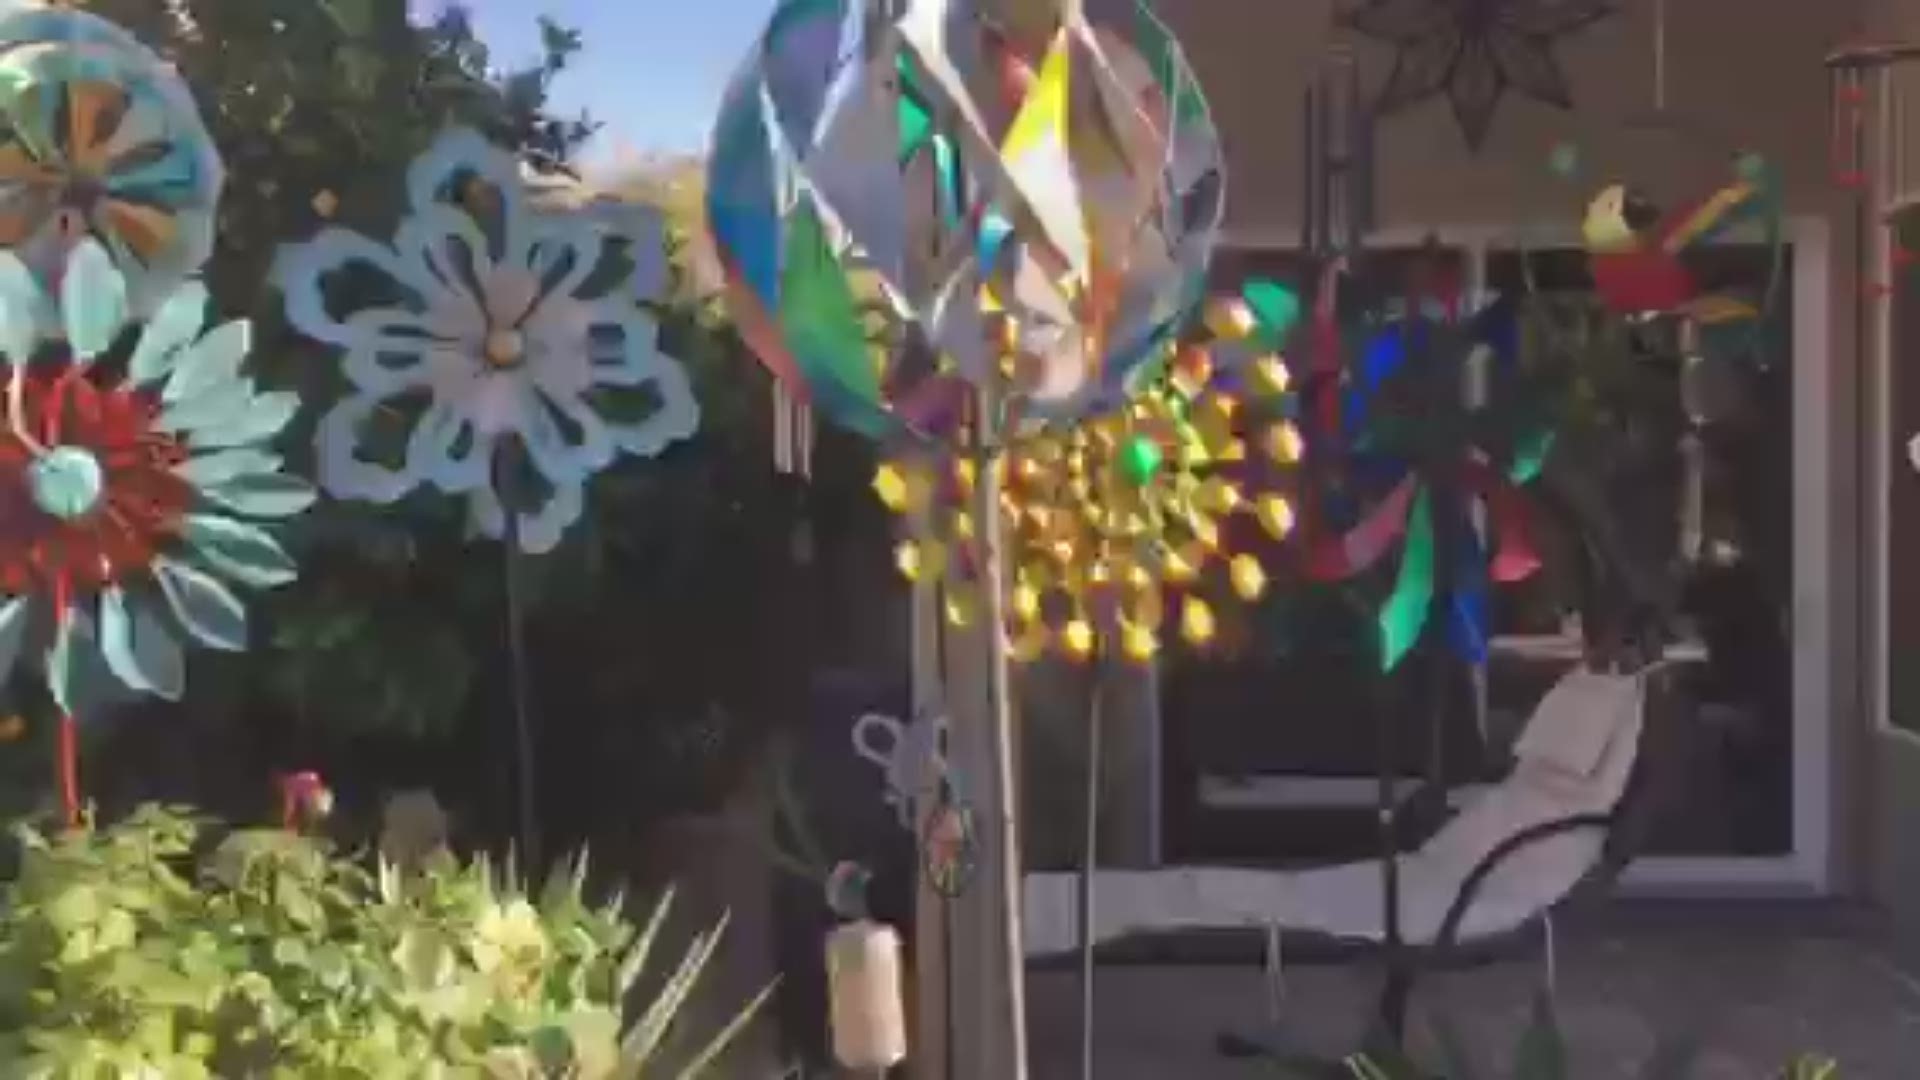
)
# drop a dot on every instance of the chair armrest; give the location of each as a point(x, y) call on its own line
point(1447, 937)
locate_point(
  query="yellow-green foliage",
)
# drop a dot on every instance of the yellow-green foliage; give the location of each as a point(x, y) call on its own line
point(144, 949)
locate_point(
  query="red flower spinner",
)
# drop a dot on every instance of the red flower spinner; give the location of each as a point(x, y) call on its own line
point(131, 504)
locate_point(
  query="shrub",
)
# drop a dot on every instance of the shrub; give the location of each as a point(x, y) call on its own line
point(157, 948)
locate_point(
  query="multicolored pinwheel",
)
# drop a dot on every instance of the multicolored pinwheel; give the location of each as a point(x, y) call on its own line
point(1110, 521)
point(520, 332)
point(128, 493)
point(910, 207)
point(99, 137)
point(1412, 459)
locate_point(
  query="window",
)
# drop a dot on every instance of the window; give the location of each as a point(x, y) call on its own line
point(1711, 512)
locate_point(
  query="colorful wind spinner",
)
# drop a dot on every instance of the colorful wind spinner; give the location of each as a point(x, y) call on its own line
point(535, 363)
point(101, 138)
point(908, 207)
point(1177, 498)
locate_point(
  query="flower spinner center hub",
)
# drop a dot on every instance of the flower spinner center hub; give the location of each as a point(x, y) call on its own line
point(67, 482)
point(505, 349)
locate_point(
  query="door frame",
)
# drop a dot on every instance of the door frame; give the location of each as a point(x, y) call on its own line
point(1807, 870)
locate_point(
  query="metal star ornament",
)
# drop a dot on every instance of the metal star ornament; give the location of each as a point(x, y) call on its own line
point(1473, 52)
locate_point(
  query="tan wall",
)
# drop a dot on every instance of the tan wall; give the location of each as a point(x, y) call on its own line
point(1892, 806)
point(1750, 68)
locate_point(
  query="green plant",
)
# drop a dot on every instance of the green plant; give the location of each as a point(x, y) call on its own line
point(155, 948)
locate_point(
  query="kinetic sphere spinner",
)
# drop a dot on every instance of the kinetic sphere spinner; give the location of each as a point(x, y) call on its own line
point(910, 207)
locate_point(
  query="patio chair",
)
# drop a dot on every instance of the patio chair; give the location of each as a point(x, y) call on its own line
point(1564, 822)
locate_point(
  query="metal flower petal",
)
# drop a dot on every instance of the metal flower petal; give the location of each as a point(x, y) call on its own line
point(515, 339)
point(123, 499)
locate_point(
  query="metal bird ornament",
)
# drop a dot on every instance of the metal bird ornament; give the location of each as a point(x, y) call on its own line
point(1635, 251)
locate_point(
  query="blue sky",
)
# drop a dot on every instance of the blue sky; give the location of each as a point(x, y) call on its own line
point(652, 71)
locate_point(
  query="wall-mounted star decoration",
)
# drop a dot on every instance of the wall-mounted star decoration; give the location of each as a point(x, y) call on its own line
point(1472, 51)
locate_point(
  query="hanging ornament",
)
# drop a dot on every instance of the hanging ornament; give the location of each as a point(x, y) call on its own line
point(1129, 526)
point(910, 206)
point(948, 843)
point(1472, 51)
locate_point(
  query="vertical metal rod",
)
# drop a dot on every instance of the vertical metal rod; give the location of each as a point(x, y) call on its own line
point(1004, 824)
point(1089, 862)
point(1310, 210)
point(1660, 55)
point(518, 675)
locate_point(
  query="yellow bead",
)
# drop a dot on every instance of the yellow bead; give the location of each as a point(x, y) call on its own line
point(960, 607)
point(891, 485)
point(1249, 580)
point(1270, 376)
point(1026, 602)
point(906, 559)
point(1077, 639)
point(1283, 444)
point(1179, 567)
point(1276, 516)
point(964, 471)
point(1029, 644)
point(1217, 495)
point(1138, 642)
point(963, 525)
point(1230, 318)
point(1196, 621)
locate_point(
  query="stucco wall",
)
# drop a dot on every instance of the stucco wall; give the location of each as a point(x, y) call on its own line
point(1747, 68)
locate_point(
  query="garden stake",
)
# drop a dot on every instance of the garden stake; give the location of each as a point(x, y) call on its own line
point(517, 667)
point(1089, 857)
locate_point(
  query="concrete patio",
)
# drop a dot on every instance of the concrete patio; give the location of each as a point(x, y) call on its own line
point(1761, 984)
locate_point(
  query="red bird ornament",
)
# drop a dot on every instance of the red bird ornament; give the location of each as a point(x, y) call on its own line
point(1634, 252)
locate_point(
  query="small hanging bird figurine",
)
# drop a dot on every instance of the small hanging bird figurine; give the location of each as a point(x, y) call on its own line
point(1634, 252)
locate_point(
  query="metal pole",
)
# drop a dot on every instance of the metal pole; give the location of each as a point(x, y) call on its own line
point(1089, 861)
point(1003, 826)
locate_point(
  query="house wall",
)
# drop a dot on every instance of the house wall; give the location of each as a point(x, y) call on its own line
point(1893, 796)
point(1752, 83)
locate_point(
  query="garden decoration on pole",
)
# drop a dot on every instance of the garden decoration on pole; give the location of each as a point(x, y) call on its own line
point(127, 479)
point(494, 352)
point(1415, 461)
point(102, 139)
point(1019, 198)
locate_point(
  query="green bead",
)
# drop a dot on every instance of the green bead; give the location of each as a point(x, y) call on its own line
point(1140, 460)
point(67, 482)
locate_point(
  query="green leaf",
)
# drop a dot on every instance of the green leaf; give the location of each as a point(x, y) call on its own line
point(353, 17)
point(1542, 1053)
